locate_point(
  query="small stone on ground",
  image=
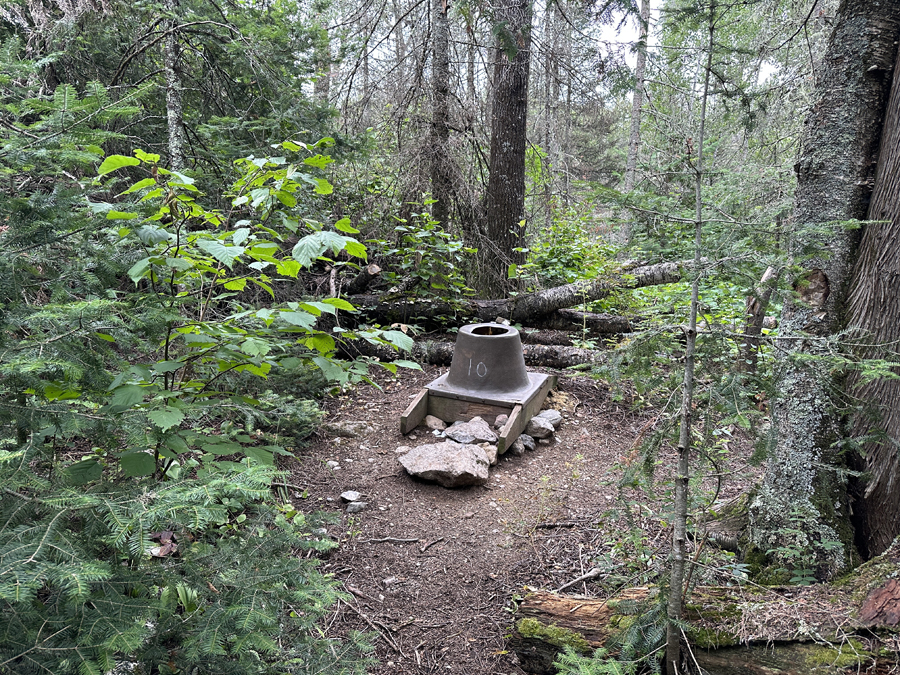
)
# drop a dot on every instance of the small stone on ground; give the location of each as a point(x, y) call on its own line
point(475, 430)
point(538, 427)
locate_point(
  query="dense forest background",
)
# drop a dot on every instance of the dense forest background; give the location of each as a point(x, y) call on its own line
point(210, 213)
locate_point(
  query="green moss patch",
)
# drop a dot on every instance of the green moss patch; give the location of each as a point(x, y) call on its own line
point(553, 634)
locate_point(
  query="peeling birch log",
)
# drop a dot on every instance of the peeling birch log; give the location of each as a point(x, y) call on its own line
point(525, 308)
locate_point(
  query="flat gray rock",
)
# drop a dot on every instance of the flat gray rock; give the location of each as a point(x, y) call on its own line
point(475, 430)
point(356, 507)
point(500, 421)
point(350, 496)
point(553, 416)
point(449, 464)
point(538, 427)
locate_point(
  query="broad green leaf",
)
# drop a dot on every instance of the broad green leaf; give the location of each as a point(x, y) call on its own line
point(166, 418)
point(344, 225)
point(140, 185)
point(339, 303)
point(240, 235)
point(323, 187)
point(114, 162)
point(104, 336)
point(261, 370)
point(149, 157)
point(137, 463)
point(288, 268)
point(83, 472)
point(286, 198)
point(176, 443)
point(127, 395)
point(302, 319)
point(293, 147)
point(121, 215)
point(261, 454)
point(151, 234)
point(356, 249)
point(321, 342)
point(309, 248)
point(224, 254)
point(222, 448)
point(330, 370)
point(407, 364)
point(196, 339)
point(180, 264)
point(256, 347)
point(318, 161)
point(399, 339)
point(139, 269)
point(162, 367)
point(235, 284)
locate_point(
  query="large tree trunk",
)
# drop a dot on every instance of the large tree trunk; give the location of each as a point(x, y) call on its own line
point(874, 309)
point(505, 197)
point(802, 504)
point(734, 630)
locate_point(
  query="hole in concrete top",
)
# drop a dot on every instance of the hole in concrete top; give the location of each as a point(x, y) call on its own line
point(490, 330)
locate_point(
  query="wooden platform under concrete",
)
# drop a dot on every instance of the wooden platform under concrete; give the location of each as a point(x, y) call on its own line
point(458, 408)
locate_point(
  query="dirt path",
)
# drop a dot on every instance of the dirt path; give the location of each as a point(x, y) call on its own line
point(441, 588)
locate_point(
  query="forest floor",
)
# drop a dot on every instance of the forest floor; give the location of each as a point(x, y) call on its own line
point(436, 573)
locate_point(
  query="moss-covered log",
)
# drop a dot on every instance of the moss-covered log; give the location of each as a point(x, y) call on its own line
point(852, 623)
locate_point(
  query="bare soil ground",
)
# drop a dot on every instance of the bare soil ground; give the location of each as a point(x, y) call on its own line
point(436, 572)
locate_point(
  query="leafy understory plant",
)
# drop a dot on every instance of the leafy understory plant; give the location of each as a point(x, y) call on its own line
point(137, 521)
point(194, 266)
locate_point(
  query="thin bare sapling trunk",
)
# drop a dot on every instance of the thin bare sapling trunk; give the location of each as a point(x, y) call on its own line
point(174, 91)
point(679, 541)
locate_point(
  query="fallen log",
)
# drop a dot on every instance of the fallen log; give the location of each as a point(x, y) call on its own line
point(525, 308)
point(736, 630)
point(439, 353)
point(361, 281)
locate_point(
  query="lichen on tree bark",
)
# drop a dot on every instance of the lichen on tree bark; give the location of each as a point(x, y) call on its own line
point(802, 504)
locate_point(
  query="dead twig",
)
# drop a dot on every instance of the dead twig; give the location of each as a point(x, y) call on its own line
point(393, 540)
point(362, 616)
point(430, 544)
point(591, 574)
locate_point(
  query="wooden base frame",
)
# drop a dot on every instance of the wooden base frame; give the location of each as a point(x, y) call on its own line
point(453, 409)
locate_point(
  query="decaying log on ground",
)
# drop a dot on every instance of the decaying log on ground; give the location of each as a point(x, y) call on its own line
point(441, 353)
point(737, 630)
point(572, 320)
point(523, 309)
point(361, 281)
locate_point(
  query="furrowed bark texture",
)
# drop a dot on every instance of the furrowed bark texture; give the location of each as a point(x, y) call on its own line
point(874, 308)
point(505, 196)
point(802, 503)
